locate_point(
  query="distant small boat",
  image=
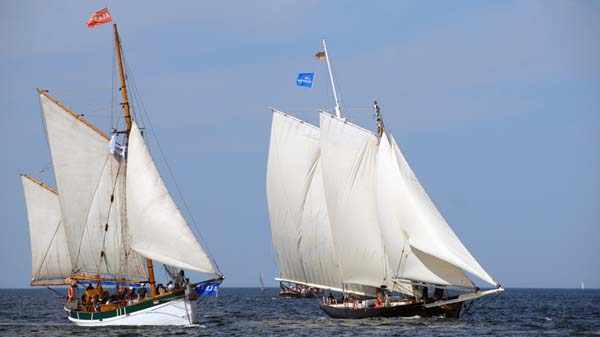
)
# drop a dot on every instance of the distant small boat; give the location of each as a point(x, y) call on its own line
point(262, 284)
point(582, 286)
point(293, 290)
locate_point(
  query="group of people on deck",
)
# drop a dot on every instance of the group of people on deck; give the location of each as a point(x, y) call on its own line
point(384, 298)
point(93, 298)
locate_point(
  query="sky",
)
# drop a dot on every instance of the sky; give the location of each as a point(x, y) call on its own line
point(495, 104)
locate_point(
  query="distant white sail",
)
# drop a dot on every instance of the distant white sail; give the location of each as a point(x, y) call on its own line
point(426, 227)
point(90, 181)
point(349, 156)
point(50, 259)
point(158, 229)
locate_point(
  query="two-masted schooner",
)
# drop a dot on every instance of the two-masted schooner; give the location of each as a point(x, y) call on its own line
point(109, 218)
point(348, 215)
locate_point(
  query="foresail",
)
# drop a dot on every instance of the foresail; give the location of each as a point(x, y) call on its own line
point(50, 259)
point(157, 227)
point(348, 163)
point(90, 181)
point(297, 210)
point(426, 227)
point(398, 219)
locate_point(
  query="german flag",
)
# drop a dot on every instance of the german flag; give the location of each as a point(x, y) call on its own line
point(320, 55)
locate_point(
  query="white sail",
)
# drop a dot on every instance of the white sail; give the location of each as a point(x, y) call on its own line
point(318, 251)
point(157, 227)
point(299, 221)
point(349, 156)
point(426, 228)
point(90, 182)
point(50, 259)
point(397, 213)
point(293, 155)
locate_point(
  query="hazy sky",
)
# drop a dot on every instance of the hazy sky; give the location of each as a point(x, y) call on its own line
point(496, 106)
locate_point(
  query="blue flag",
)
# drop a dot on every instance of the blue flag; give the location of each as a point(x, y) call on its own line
point(208, 289)
point(305, 79)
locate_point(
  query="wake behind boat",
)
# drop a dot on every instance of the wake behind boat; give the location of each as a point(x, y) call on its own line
point(348, 215)
point(111, 217)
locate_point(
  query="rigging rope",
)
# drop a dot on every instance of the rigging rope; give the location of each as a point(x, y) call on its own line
point(48, 250)
point(110, 207)
point(85, 224)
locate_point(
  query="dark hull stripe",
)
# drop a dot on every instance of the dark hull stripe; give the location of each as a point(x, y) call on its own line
point(410, 310)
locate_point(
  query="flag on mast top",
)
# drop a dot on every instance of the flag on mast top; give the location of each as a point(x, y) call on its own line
point(98, 18)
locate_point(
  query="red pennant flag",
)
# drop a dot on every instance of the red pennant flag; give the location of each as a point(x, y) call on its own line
point(98, 18)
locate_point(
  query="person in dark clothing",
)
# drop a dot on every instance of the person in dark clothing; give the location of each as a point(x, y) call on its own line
point(438, 293)
point(142, 292)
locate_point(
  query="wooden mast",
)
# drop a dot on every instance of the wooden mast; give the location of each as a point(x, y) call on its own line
point(123, 88)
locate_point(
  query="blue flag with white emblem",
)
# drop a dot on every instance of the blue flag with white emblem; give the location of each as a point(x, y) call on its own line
point(208, 289)
point(305, 80)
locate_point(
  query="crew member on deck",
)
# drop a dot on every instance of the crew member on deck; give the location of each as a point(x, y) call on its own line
point(331, 298)
point(378, 302)
point(72, 292)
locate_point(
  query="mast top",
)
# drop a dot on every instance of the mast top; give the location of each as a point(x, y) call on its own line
point(123, 87)
point(338, 111)
point(378, 118)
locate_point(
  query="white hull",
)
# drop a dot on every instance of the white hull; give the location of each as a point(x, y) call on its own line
point(176, 312)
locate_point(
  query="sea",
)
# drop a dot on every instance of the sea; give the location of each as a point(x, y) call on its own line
point(250, 312)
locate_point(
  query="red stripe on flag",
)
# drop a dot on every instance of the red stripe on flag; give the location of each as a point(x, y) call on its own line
point(98, 18)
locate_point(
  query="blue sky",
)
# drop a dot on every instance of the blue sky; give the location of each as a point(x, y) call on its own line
point(496, 105)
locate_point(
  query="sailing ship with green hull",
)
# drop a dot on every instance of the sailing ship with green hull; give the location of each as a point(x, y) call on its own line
point(109, 218)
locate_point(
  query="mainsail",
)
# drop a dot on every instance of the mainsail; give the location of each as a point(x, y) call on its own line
point(157, 227)
point(91, 184)
point(49, 258)
point(297, 209)
point(348, 160)
point(299, 222)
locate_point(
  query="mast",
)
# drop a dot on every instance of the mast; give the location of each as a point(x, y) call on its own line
point(123, 85)
point(378, 118)
point(338, 111)
point(123, 88)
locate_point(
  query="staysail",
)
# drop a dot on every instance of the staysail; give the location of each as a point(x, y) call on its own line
point(399, 216)
point(90, 180)
point(428, 230)
point(158, 229)
point(50, 259)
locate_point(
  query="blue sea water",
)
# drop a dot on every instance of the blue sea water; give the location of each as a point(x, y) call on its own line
point(249, 312)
